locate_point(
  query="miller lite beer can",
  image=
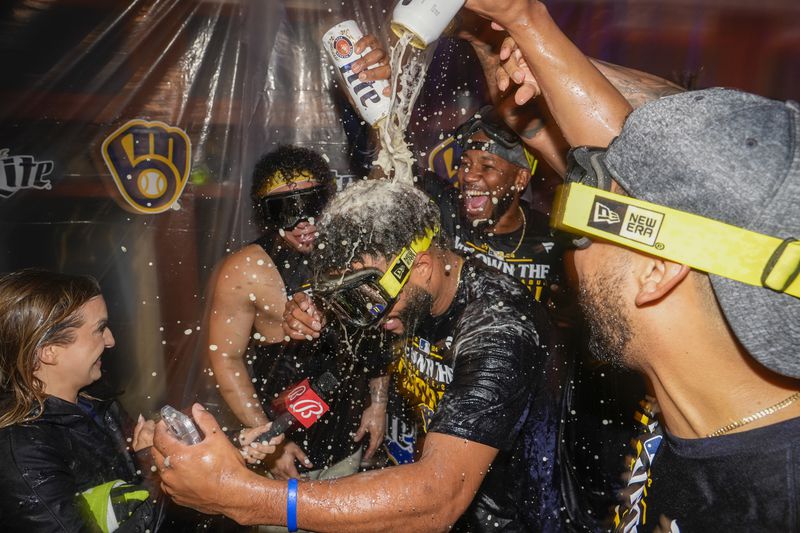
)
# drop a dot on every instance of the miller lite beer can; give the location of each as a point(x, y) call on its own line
point(340, 42)
point(425, 19)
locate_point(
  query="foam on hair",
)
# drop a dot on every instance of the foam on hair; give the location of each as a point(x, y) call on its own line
point(375, 218)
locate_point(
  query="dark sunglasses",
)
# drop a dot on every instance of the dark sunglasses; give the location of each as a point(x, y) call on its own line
point(502, 136)
point(286, 210)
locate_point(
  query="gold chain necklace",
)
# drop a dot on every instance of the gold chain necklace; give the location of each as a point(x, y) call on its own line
point(755, 416)
point(512, 253)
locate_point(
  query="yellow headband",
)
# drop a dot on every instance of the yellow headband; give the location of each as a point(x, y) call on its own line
point(400, 269)
point(278, 180)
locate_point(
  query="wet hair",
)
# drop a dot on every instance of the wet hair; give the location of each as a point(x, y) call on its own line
point(375, 218)
point(37, 309)
point(289, 160)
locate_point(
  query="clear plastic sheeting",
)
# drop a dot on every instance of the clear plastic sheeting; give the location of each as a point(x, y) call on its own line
point(93, 91)
point(217, 82)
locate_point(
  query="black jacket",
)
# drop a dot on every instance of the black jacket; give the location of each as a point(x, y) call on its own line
point(46, 463)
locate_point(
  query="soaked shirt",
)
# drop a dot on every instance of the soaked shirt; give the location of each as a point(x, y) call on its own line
point(47, 462)
point(481, 371)
point(279, 366)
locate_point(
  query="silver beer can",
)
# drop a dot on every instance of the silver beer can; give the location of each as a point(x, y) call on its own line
point(425, 19)
point(340, 43)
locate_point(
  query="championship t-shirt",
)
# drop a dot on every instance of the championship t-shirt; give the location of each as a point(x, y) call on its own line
point(482, 371)
point(529, 253)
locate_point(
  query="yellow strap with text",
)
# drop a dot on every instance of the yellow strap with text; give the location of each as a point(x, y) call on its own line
point(699, 242)
point(400, 269)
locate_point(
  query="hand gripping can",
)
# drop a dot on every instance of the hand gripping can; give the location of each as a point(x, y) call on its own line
point(425, 19)
point(340, 42)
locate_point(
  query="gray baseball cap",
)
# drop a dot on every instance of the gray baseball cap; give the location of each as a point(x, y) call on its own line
point(734, 157)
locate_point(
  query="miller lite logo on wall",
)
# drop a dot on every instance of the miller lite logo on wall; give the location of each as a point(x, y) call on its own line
point(19, 172)
point(367, 97)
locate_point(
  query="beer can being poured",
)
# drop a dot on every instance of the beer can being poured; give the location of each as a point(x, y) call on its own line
point(340, 42)
point(425, 19)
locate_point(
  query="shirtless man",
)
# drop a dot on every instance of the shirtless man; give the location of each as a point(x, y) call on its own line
point(290, 186)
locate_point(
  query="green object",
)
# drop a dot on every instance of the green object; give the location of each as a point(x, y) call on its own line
point(110, 504)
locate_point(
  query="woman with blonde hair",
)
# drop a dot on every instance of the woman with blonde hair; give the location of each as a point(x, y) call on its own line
point(67, 465)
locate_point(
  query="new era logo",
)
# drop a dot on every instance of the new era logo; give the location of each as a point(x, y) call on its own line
point(628, 221)
point(641, 225)
point(603, 213)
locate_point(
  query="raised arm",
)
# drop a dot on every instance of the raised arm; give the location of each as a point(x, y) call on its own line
point(531, 121)
point(247, 291)
point(513, 88)
point(585, 105)
point(636, 86)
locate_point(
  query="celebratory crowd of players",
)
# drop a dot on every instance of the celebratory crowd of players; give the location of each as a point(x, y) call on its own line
point(676, 227)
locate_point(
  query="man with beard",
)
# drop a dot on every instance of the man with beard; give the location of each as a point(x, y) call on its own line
point(290, 187)
point(488, 220)
point(486, 215)
point(382, 260)
point(686, 217)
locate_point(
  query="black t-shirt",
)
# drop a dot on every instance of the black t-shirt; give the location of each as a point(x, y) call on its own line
point(746, 481)
point(353, 363)
point(482, 371)
point(529, 253)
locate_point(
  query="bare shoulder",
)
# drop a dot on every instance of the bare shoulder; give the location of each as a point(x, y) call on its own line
point(250, 267)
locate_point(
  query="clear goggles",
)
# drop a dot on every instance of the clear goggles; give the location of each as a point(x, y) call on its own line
point(585, 211)
point(364, 297)
point(286, 210)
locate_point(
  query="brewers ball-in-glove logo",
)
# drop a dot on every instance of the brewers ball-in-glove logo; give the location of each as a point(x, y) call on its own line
point(150, 163)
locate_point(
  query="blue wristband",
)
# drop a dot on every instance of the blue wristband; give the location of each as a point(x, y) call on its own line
point(291, 506)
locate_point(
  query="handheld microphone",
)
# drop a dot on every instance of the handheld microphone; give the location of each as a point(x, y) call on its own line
point(305, 405)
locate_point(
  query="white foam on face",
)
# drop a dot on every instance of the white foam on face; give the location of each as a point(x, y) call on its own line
point(408, 76)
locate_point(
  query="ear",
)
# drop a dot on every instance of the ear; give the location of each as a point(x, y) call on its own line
point(658, 278)
point(423, 269)
point(48, 355)
point(521, 179)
